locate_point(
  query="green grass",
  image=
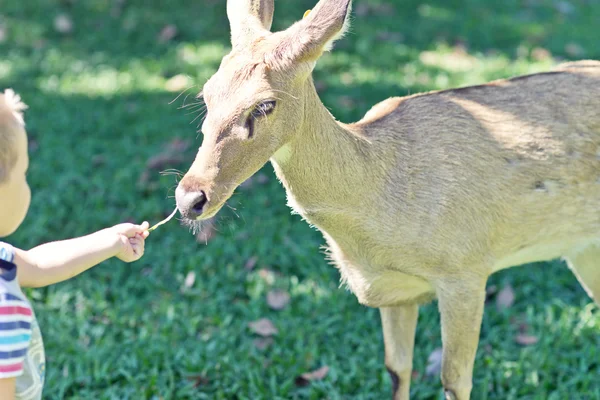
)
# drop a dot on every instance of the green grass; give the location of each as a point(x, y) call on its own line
point(99, 110)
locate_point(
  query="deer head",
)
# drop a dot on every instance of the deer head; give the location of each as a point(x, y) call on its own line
point(258, 100)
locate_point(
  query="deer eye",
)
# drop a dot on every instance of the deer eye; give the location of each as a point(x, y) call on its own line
point(261, 110)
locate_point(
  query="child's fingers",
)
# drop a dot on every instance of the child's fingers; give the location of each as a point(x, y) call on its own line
point(137, 245)
point(131, 230)
point(137, 240)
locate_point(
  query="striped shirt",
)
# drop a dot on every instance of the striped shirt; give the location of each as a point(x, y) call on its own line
point(21, 347)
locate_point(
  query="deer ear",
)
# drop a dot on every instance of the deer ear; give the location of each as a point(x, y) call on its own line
point(307, 39)
point(248, 18)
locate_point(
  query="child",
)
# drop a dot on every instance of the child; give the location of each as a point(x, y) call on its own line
point(22, 360)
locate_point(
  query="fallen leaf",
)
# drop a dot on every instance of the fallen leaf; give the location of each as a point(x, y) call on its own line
point(262, 179)
point(490, 291)
point(198, 380)
point(178, 144)
point(267, 275)
point(574, 50)
point(160, 161)
point(251, 263)
point(278, 299)
point(177, 83)
point(540, 54)
point(320, 85)
point(522, 326)
point(315, 375)
point(263, 342)
point(361, 9)
point(346, 101)
point(526, 340)
point(172, 153)
point(247, 184)
point(33, 145)
point(505, 298)
point(63, 24)
point(263, 327)
point(564, 7)
point(387, 36)
point(207, 231)
point(190, 279)
point(434, 363)
point(167, 33)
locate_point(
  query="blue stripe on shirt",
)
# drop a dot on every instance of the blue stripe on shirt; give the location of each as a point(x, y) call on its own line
point(4, 355)
point(7, 252)
point(24, 337)
point(9, 296)
point(8, 270)
point(6, 326)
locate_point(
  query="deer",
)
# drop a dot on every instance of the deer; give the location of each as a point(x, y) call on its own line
point(423, 198)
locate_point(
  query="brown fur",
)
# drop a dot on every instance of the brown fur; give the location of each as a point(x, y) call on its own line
point(427, 195)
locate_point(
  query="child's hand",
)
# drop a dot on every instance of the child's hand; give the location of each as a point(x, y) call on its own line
point(131, 239)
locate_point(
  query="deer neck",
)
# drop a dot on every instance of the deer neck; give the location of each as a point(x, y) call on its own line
point(324, 166)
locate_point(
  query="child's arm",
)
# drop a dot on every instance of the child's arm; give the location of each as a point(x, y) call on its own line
point(58, 261)
point(7, 388)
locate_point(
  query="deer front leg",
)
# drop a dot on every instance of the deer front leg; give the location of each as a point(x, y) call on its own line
point(461, 309)
point(399, 324)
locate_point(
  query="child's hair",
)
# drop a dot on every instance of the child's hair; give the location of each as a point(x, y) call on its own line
point(11, 120)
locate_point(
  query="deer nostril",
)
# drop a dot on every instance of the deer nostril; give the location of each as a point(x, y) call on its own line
point(200, 202)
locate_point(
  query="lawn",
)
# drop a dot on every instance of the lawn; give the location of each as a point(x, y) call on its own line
point(102, 79)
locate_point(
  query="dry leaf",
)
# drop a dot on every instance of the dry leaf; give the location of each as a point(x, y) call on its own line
point(2, 33)
point(207, 231)
point(574, 50)
point(160, 161)
point(177, 83)
point(251, 263)
point(171, 154)
point(490, 291)
point(315, 375)
point(278, 299)
point(63, 23)
point(320, 85)
point(190, 279)
point(262, 179)
point(526, 340)
point(434, 363)
point(167, 33)
point(346, 102)
point(540, 54)
point(267, 275)
point(199, 380)
point(262, 343)
point(564, 7)
point(263, 327)
point(505, 298)
point(361, 9)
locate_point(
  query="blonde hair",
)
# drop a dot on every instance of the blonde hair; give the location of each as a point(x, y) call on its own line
point(11, 119)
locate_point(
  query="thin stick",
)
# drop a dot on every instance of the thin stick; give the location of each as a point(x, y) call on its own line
point(164, 221)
